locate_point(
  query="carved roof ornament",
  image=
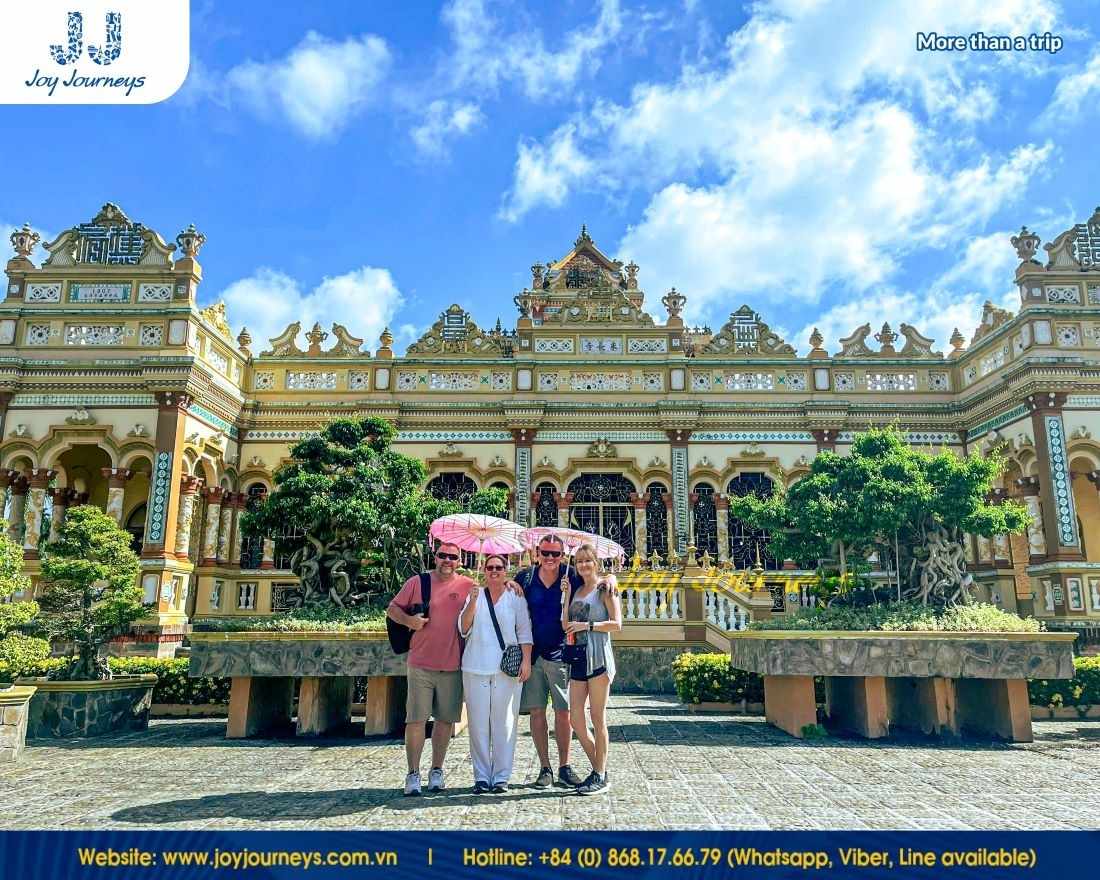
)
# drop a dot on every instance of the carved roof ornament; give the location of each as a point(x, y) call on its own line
point(455, 333)
point(958, 343)
point(285, 344)
point(80, 417)
point(109, 239)
point(745, 333)
point(584, 237)
point(536, 276)
point(674, 302)
point(244, 340)
point(346, 344)
point(856, 344)
point(315, 337)
point(385, 341)
point(24, 240)
point(1078, 247)
point(816, 351)
point(992, 318)
point(917, 345)
point(190, 241)
point(886, 339)
point(602, 448)
point(632, 275)
point(216, 316)
point(1026, 244)
point(449, 450)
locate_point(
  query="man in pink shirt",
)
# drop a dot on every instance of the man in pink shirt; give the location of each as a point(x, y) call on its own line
point(434, 663)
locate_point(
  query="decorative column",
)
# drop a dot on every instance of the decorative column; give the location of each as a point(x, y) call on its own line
point(523, 438)
point(678, 439)
point(117, 478)
point(1002, 552)
point(209, 555)
point(670, 528)
point(36, 502)
point(826, 439)
point(1055, 483)
point(722, 514)
point(164, 496)
point(239, 502)
point(188, 494)
point(1036, 542)
point(62, 498)
point(985, 550)
point(641, 531)
point(19, 487)
point(225, 527)
point(268, 560)
point(563, 502)
point(5, 401)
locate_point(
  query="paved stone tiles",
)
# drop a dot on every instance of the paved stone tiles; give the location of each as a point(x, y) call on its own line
point(670, 768)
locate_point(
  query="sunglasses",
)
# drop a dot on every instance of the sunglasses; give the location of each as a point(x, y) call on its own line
point(494, 568)
point(553, 554)
point(450, 556)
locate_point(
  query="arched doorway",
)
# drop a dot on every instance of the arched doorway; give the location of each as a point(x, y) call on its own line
point(747, 545)
point(601, 505)
point(704, 520)
point(546, 508)
point(252, 547)
point(656, 520)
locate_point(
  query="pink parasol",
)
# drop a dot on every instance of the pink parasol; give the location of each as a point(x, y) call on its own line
point(573, 539)
point(478, 533)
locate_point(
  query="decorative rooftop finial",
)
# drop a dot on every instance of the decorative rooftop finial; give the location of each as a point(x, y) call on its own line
point(816, 351)
point(24, 240)
point(1026, 244)
point(244, 339)
point(386, 340)
point(316, 336)
point(584, 237)
point(632, 275)
point(190, 241)
point(536, 276)
point(958, 342)
point(886, 338)
point(674, 302)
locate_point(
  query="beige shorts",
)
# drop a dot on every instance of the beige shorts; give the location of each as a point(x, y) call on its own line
point(433, 694)
point(549, 680)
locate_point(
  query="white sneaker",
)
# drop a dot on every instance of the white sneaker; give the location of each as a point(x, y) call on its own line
point(435, 780)
point(412, 784)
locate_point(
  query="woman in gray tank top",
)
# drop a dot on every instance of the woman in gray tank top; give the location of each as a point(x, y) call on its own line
point(589, 616)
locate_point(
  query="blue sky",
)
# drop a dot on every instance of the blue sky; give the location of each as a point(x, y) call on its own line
point(371, 164)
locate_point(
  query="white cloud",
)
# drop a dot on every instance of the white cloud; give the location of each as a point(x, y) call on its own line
point(318, 86)
point(365, 300)
point(811, 154)
point(445, 119)
point(954, 299)
point(1074, 93)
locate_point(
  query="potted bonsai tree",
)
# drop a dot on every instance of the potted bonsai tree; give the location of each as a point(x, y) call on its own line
point(88, 595)
point(916, 651)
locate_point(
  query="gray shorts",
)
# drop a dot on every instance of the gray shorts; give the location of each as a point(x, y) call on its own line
point(549, 680)
point(435, 694)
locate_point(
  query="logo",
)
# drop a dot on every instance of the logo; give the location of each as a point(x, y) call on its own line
point(113, 51)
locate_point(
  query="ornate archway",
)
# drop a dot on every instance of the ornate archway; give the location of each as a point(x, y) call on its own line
point(747, 545)
point(601, 505)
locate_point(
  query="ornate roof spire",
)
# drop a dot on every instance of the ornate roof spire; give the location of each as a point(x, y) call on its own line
point(816, 351)
point(190, 241)
point(386, 340)
point(584, 237)
point(23, 241)
point(244, 340)
point(316, 336)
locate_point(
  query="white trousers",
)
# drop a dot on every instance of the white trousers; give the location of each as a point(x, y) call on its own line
point(492, 710)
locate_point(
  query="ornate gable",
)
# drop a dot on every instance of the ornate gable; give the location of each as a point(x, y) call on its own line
point(456, 333)
point(744, 333)
point(109, 239)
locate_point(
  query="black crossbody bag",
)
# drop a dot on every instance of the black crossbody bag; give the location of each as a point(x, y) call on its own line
point(513, 654)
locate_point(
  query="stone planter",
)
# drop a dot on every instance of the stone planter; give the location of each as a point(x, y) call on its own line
point(935, 682)
point(264, 665)
point(14, 710)
point(89, 708)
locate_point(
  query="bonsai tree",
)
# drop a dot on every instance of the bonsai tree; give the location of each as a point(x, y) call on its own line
point(16, 649)
point(89, 590)
point(360, 510)
point(889, 498)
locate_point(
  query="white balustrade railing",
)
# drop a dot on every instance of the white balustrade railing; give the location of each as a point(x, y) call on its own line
point(721, 611)
point(656, 604)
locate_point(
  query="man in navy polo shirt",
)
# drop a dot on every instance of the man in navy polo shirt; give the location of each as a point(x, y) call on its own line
point(542, 585)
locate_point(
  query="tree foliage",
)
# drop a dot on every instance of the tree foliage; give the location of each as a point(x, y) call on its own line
point(89, 590)
point(360, 509)
point(889, 498)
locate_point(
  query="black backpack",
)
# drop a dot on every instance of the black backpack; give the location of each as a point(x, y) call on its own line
point(400, 635)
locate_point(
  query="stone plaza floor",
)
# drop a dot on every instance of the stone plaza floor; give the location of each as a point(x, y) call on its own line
point(670, 768)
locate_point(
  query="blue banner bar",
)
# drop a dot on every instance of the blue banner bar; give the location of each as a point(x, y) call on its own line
point(106, 855)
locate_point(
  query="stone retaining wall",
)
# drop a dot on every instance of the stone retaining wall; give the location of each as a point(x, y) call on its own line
point(14, 710)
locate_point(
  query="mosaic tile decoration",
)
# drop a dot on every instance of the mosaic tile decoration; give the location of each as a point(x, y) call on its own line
point(1060, 480)
point(217, 421)
point(647, 346)
point(154, 293)
point(523, 484)
point(997, 421)
point(43, 293)
point(158, 508)
point(1067, 294)
point(99, 293)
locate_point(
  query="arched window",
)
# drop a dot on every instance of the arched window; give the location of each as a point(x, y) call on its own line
point(135, 525)
point(252, 548)
point(748, 545)
point(452, 486)
point(704, 520)
point(601, 505)
point(656, 520)
point(546, 508)
point(507, 490)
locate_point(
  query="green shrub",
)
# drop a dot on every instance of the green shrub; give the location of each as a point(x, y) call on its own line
point(18, 651)
point(322, 617)
point(711, 678)
point(1082, 691)
point(903, 616)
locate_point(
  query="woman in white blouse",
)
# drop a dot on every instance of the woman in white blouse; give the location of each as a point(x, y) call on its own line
point(492, 697)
